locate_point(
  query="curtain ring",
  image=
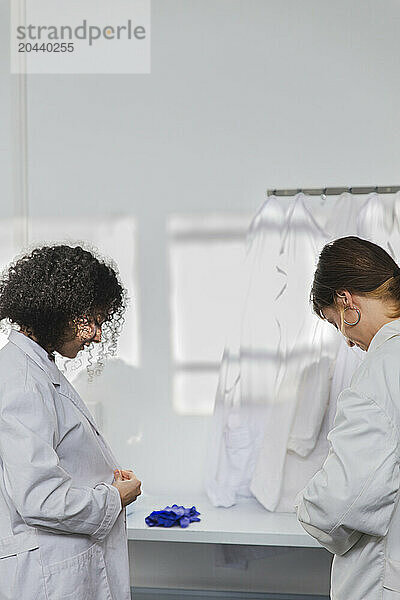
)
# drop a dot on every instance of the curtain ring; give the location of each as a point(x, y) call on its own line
point(358, 318)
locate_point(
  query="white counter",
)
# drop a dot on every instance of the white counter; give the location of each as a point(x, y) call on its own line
point(245, 523)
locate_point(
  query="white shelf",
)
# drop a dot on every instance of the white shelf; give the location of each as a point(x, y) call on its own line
point(245, 523)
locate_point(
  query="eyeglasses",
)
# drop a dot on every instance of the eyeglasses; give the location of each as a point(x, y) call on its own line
point(97, 321)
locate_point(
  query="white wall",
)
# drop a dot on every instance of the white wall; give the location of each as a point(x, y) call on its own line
point(243, 95)
point(6, 206)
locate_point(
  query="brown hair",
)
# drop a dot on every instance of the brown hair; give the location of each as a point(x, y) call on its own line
point(359, 266)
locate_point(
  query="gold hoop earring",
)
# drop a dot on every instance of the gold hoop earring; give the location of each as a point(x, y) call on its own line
point(358, 317)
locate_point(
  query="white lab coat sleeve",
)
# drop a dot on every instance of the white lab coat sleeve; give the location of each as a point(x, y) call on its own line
point(355, 491)
point(39, 487)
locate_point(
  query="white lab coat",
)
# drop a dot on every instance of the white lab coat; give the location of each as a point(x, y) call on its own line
point(351, 505)
point(285, 363)
point(249, 367)
point(62, 530)
point(305, 355)
point(376, 220)
point(393, 243)
point(260, 330)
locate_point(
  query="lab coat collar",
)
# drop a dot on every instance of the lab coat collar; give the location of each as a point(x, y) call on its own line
point(383, 334)
point(36, 353)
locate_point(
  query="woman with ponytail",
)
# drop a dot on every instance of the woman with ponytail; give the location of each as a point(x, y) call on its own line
point(351, 505)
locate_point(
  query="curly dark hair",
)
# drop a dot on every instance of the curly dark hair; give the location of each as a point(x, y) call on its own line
point(48, 289)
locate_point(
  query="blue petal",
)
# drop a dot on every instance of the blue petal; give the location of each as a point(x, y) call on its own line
point(184, 522)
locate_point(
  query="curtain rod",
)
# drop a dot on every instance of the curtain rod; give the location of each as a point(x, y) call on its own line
point(335, 191)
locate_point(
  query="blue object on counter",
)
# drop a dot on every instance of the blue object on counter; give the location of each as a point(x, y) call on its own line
point(172, 515)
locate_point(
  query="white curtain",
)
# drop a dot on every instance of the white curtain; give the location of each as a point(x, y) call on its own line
point(279, 380)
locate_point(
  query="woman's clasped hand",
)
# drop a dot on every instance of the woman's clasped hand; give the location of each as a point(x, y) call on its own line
point(128, 485)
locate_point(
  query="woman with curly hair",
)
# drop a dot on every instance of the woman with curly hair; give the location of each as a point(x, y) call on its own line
point(62, 498)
